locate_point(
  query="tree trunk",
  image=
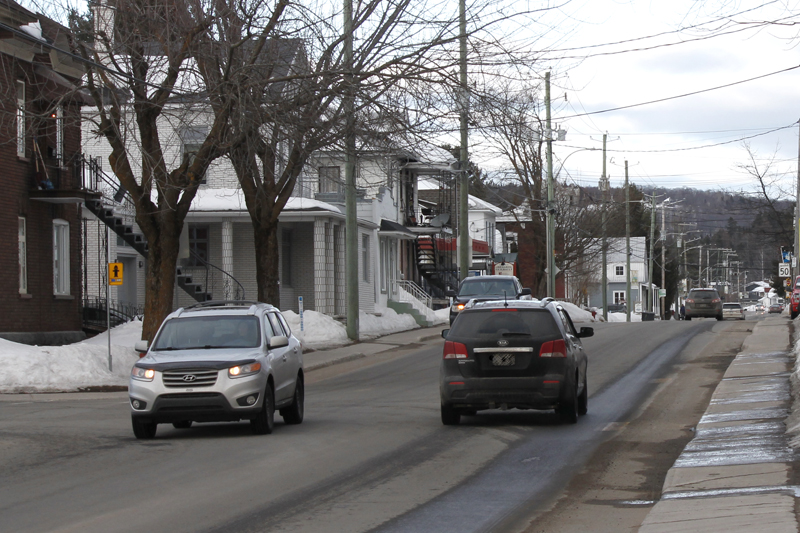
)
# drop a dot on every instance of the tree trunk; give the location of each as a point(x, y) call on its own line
point(162, 261)
point(267, 257)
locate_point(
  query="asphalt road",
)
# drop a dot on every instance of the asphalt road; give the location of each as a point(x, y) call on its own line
point(372, 453)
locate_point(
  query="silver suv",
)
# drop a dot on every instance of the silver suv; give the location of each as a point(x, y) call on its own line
point(218, 361)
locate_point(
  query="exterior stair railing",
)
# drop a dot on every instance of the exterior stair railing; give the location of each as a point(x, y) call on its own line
point(116, 210)
point(412, 289)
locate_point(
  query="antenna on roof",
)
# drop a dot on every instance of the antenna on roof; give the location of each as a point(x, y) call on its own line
point(505, 297)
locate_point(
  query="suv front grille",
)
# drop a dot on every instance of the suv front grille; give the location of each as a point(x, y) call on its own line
point(189, 378)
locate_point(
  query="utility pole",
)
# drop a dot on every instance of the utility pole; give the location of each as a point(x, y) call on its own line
point(604, 190)
point(551, 230)
point(463, 190)
point(650, 300)
point(797, 218)
point(627, 247)
point(662, 303)
point(351, 208)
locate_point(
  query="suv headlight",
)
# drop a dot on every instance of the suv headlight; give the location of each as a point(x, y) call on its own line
point(244, 370)
point(143, 374)
point(457, 308)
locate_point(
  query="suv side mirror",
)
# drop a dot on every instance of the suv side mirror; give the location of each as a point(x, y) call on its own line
point(444, 333)
point(586, 332)
point(141, 347)
point(525, 292)
point(451, 293)
point(278, 341)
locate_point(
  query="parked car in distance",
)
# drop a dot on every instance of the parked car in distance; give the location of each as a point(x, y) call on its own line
point(703, 302)
point(732, 310)
point(218, 361)
point(484, 288)
point(617, 308)
point(776, 308)
point(513, 354)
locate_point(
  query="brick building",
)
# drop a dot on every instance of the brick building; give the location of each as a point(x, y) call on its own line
point(40, 137)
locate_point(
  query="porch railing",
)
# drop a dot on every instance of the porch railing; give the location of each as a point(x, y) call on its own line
point(409, 288)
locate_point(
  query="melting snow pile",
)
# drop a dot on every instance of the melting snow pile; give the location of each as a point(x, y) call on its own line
point(83, 365)
point(71, 367)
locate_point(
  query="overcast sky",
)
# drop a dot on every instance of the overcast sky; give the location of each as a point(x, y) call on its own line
point(670, 144)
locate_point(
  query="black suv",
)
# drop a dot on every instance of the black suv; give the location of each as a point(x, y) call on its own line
point(703, 303)
point(483, 288)
point(513, 354)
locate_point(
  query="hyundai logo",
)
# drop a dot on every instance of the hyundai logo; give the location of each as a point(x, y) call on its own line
point(502, 343)
point(189, 378)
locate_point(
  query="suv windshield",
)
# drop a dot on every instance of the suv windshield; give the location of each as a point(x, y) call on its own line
point(506, 323)
point(492, 287)
point(241, 331)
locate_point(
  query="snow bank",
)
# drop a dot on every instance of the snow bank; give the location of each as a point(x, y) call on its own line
point(85, 364)
point(71, 367)
point(577, 314)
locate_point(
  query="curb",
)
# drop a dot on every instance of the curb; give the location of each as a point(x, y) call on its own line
point(734, 475)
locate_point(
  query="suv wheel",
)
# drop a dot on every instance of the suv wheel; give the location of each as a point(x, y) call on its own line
point(450, 417)
point(583, 399)
point(568, 408)
point(143, 429)
point(294, 413)
point(720, 317)
point(265, 421)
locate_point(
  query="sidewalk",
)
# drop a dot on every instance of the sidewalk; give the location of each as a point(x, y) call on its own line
point(323, 358)
point(735, 475)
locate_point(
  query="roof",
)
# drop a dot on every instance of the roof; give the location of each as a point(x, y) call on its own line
point(393, 228)
point(233, 200)
point(482, 205)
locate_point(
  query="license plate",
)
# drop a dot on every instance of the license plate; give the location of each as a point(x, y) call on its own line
point(503, 359)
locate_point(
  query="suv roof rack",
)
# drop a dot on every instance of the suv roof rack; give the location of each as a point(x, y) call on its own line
point(210, 304)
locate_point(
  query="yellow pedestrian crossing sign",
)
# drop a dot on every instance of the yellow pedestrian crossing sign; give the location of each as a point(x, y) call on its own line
point(115, 273)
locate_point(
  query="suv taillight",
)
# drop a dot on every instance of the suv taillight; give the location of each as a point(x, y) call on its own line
point(556, 348)
point(715, 300)
point(455, 350)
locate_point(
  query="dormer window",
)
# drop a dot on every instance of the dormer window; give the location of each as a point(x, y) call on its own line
point(619, 270)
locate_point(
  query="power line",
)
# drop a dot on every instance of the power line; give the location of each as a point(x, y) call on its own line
point(693, 93)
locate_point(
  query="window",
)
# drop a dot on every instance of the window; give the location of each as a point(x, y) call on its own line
point(286, 258)
point(365, 255)
point(619, 297)
point(59, 116)
point(60, 256)
point(190, 150)
point(276, 324)
point(619, 270)
point(23, 256)
point(330, 179)
point(21, 126)
point(198, 245)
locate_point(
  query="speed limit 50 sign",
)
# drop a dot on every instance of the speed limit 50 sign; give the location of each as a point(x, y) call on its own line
point(783, 270)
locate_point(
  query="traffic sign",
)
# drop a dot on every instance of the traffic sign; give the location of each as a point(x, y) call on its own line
point(115, 273)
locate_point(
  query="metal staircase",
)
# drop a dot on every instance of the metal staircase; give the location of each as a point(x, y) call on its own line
point(107, 208)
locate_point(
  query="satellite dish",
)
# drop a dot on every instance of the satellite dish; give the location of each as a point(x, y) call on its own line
point(440, 220)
